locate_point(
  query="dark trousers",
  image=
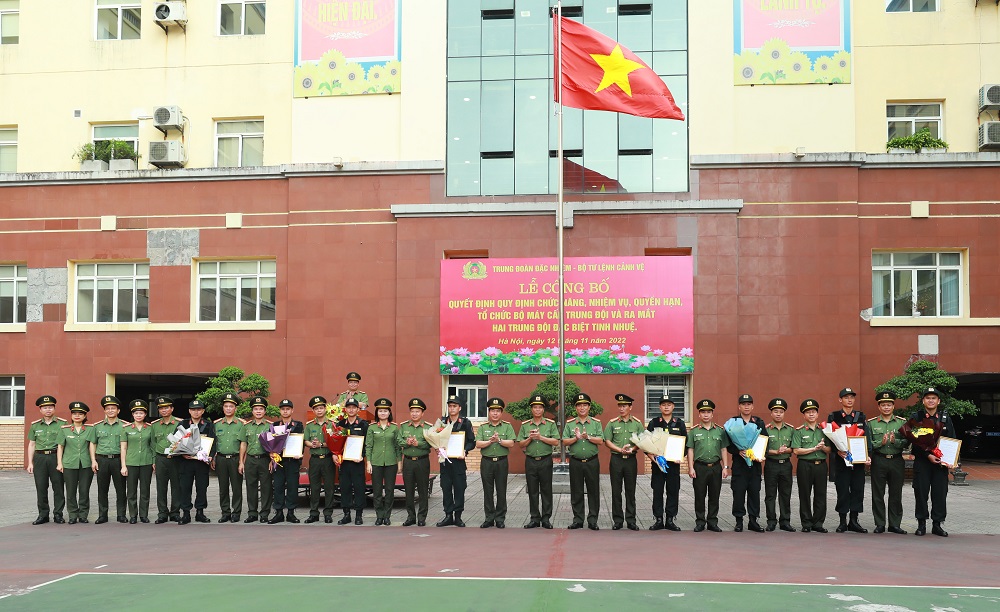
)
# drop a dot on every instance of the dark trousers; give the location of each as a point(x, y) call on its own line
point(585, 473)
point(383, 489)
point(137, 485)
point(453, 484)
point(78, 491)
point(671, 482)
point(286, 484)
point(931, 479)
point(194, 473)
point(352, 486)
point(322, 475)
point(778, 486)
point(745, 483)
point(258, 479)
point(887, 472)
point(707, 483)
point(168, 474)
point(623, 473)
point(416, 481)
point(230, 485)
point(109, 470)
point(493, 471)
point(812, 480)
point(850, 483)
point(538, 478)
point(45, 472)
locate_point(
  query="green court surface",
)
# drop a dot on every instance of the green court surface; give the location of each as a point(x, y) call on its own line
point(107, 592)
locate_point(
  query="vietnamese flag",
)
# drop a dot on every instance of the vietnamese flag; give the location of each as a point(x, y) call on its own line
point(600, 74)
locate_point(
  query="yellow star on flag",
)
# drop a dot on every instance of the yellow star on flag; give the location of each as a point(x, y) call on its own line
point(616, 70)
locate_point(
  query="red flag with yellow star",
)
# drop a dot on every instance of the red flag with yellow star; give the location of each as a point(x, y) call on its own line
point(600, 74)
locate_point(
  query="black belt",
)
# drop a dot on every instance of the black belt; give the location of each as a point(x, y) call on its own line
point(45, 452)
point(415, 458)
point(496, 458)
point(706, 464)
point(815, 461)
point(893, 456)
point(321, 456)
point(540, 458)
point(260, 455)
point(228, 455)
point(164, 455)
point(623, 455)
point(582, 460)
point(108, 456)
point(777, 460)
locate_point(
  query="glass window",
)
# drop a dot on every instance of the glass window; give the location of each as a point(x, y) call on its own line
point(239, 143)
point(245, 18)
point(910, 6)
point(674, 387)
point(908, 119)
point(473, 391)
point(236, 290)
point(531, 152)
point(463, 138)
point(128, 132)
point(118, 20)
point(464, 29)
point(9, 23)
point(13, 293)
point(112, 293)
point(8, 149)
point(11, 396)
point(532, 27)
point(916, 284)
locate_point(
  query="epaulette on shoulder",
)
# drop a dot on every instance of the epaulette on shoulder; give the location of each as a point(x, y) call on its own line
point(310, 421)
point(155, 422)
point(124, 423)
point(550, 420)
point(61, 419)
point(896, 416)
point(88, 424)
point(525, 422)
point(219, 420)
point(67, 426)
point(800, 427)
point(38, 421)
point(872, 419)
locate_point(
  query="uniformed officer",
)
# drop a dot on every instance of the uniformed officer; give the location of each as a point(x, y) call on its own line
point(930, 475)
point(75, 457)
point(43, 443)
point(494, 439)
point(671, 480)
point(322, 471)
point(623, 467)
point(383, 455)
point(286, 475)
point(583, 437)
point(229, 437)
point(778, 468)
point(746, 479)
point(453, 476)
point(166, 468)
point(138, 464)
point(254, 463)
point(416, 464)
point(887, 444)
point(708, 464)
point(193, 471)
point(353, 382)
point(110, 435)
point(810, 447)
point(537, 437)
point(352, 471)
point(849, 479)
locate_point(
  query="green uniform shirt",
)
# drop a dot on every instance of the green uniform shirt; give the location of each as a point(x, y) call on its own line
point(804, 437)
point(504, 431)
point(707, 443)
point(407, 429)
point(360, 396)
point(619, 432)
point(228, 436)
point(76, 446)
point(314, 431)
point(139, 449)
point(161, 429)
point(381, 446)
point(109, 437)
point(251, 435)
point(583, 449)
point(877, 428)
point(46, 437)
point(778, 437)
point(536, 448)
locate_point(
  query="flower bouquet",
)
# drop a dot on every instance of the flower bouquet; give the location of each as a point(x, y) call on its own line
point(335, 412)
point(653, 443)
point(437, 435)
point(187, 441)
point(743, 435)
point(273, 442)
point(336, 437)
point(924, 435)
point(838, 434)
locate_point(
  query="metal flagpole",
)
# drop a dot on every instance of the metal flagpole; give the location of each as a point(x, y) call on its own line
point(559, 231)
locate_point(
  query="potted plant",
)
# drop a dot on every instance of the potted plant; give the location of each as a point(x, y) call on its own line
point(921, 141)
point(90, 158)
point(121, 155)
point(118, 154)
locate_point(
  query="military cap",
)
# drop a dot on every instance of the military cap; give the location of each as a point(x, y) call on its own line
point(286, 403)
point(746, 398)
point(163, 402)
point(536, 400)
point(930, 391)
point(317, 400)
point(495, 402)
point(847, 391)
point(79, 407)
point(351, 402)
point(582, 398)
point(706, 404)
point(666, 400)
point(196, 405)
point(258, 400)
point(809, 404)
point(45, 400)
point(454, 399)
point(231, 397)
point(353, 376)
point(777, 403)
point(138, 404)
point(109, 400)
point(885, 396)
point(621, 398)
point(383, 402)
point(418, 403)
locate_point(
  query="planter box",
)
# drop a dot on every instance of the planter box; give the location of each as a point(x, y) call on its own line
point(122, 164)
point(902, 151)
point(93, 165)
point(935, 151)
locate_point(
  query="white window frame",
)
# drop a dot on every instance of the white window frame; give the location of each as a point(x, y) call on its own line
point(212, 270)
point(889, 310)
point(91, 273)
point(458, 385)
point(121, 6)
point(6, 12)
point(243, 16)
point(15, 285)
point(914, 120)
point(134, 141)
point(241, 136)
point(12, 144)
point(908, 7)
point(675, 386)
point(14, 384)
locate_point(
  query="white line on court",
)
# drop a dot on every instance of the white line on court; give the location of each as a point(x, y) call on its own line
point(38, 586)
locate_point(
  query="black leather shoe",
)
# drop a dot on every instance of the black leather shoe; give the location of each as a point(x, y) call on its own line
point(234, 518)
point(201, 518)
point(83, 520)
point(264, 518)
point(921, 528)
point(841, 528)
point(250, 519)
point(175, 518)
point(291, 518)
point(714, 528)
point(344, 519)
point(42, 520)
point(72, 521)
point(447, 520)
point(160, 521)
point(786, 527)
point(224, 518)
point(500, 524)
point(409, 522)
point(755, 526)
point(133, 521)
point(897, 530)
point(183, 520)
point(671, 525)
point(633, 527)
point(421, 523)
point(658, 525)
point(575, 526)
point(546, 525)
point(879, 529)
point(533, 525)
point(938, 530)
point(311, 519)
point(277, 518)
point(855, 526)
point(616, 526)
point(771, 526)
point(821, 530)
point(739, 526)
point(58, 519)
point(386, 522)
point(458, 520)
point(358, 520)
point(486, 525)
point(122, 519)
point(806, 530)
point(100, 520)
point(698, 528)
point(143, 520)
point(593, 527)
point(328, 519)
point(378, 522)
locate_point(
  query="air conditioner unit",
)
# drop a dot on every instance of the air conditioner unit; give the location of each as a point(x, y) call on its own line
point(167, 154)
point(989, 97)
point(168, 118)
point(170, 13)
point(989, 135)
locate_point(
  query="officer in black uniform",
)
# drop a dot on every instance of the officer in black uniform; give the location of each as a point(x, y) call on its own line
point(454, 479)
point(930, 476)
point(849, 480)
point(671, 481)
point(286, 475)
point(352, 473)
point(193, 471)
point(746, 479)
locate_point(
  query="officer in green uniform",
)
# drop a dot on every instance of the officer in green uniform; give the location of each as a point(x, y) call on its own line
point(416, 463)
point(75, 457)
point(708, 464)
point(583, 438)
point(254, 463)
point(887, 444)
point(137, 467)
point(165, 466)
point(43, 442)
point(322, 471)
point(494, 440)
point(382, 455)
point(353, 382)
point(110, 435)
point(537, 437)
point(778, 467)
point(228, 438)
point(623, 468)
point(810, 447)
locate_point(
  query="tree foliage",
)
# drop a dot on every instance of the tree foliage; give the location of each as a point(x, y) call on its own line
point(922, 374)
point(548, 388)
point(234, 380)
